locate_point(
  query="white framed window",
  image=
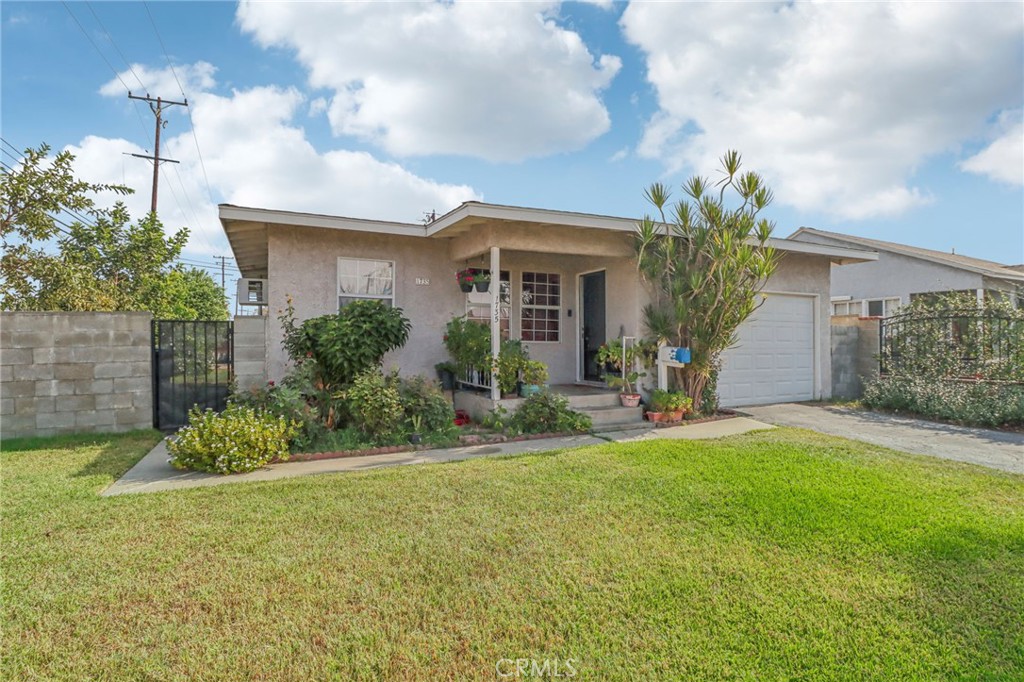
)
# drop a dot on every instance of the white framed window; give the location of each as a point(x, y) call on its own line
point(478, 304)
point(846, 307)
point(541, 309)
point(363, 278)
point(880, 307)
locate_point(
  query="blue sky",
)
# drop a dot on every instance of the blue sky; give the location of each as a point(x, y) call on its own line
point(887, 121)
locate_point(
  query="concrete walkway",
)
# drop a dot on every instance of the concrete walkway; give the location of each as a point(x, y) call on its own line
point(152, 473)
point(994, 449)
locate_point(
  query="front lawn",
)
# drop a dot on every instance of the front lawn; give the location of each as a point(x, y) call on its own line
point(775, 555)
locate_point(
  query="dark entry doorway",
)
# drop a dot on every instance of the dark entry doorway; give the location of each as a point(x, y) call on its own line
point(592, 323)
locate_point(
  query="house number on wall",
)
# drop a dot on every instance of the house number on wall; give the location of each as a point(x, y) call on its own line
point(423, 281)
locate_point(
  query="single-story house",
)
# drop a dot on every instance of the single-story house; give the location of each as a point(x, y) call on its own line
point(902, 273)
point(569, 283)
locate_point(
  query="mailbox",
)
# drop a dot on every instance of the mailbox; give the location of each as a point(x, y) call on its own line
point(672, 355)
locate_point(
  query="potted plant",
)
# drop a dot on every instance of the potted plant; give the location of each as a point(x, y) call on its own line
point(465, 278)
point(611, 355)
point(535, 377)
point(417, 425)
point(446, 374)
point(507, 366)
point(668, 406)
point(482, 280)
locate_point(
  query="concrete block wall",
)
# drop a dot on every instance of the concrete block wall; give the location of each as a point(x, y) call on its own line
point(855, 349)
point(74, 372)
point(251, 351)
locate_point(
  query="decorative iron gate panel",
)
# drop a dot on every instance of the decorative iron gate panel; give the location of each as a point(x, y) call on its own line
point(193, 364)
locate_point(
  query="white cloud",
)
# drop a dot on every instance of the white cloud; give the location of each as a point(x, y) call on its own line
point(1003, 159)
point(499, 81)
point(267, 163)
point(163, 82)
point(837, 103)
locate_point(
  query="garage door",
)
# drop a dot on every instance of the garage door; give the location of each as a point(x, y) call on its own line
point(774, 360)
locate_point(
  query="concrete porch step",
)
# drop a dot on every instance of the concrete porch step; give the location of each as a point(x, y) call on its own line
point(617, 415)
point(596, 399)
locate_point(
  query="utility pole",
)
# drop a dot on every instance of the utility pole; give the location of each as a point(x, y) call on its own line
point(157, 106)
point(222, 259)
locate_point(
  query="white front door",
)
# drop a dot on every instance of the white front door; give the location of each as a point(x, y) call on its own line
point(774, 359)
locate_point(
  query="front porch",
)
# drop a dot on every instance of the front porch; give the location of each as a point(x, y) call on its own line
point(600, 403)
point(561, 293)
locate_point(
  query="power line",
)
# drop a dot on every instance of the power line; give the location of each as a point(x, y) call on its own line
point(192, 124)
point(192, 208)
point(114, 44)
point(95, 46)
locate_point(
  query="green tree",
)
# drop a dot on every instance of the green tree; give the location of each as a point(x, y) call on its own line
point(100, 260)
point(704, 260)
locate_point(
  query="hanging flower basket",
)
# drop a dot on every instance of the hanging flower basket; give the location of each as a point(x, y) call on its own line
point(465, 279)
point(482, 282)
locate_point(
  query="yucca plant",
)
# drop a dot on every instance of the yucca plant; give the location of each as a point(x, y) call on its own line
point(704, 260)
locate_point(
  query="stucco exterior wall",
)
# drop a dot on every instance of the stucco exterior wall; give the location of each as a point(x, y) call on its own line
point(893, 275)
point(303, 264)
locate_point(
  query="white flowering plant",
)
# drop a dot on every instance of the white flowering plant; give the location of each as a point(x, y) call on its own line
point(236, 440)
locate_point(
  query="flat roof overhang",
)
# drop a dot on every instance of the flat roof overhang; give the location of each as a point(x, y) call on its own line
point(480, 226)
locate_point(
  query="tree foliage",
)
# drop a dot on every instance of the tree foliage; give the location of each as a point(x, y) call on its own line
point(99, 260)
point(704, 259)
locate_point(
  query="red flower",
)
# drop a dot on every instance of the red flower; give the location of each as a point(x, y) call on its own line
point(270, 383)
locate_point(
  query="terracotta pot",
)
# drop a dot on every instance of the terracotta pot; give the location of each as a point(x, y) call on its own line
point(629, 399)
point(656, 416)
point(675, 416)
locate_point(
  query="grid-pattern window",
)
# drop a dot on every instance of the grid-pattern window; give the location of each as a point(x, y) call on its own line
point(360, 278)
point(541, 308)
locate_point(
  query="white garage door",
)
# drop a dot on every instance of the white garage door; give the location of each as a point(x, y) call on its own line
point(774, 360)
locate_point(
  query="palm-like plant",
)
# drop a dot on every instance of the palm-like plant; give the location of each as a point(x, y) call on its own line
point(704, 263)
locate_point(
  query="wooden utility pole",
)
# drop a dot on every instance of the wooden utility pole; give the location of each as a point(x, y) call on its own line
point(222, 259)
point(157, 106)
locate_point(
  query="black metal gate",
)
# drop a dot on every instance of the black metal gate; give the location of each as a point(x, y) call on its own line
point(193, 364)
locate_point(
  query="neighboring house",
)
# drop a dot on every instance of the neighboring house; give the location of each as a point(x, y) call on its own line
point(569, 284)
point(903, 273)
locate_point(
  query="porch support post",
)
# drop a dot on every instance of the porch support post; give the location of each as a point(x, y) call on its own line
point(495, 317)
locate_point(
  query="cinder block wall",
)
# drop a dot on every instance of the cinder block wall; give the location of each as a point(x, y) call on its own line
point(74, 372)
point(855, 352)
point(250, 351)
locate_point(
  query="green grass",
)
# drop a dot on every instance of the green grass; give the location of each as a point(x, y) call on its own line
point(775, 555)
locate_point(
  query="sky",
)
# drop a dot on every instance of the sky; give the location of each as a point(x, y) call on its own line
point(900, 122)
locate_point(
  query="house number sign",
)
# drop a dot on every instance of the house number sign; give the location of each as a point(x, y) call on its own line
point(423, 281)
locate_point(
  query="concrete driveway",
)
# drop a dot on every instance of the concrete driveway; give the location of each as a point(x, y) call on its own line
point(994, 449)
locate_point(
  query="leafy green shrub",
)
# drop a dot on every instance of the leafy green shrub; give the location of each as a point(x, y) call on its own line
point(468, 343)
point(422, 398)
point(543, 413)
point(353, 341)
point(375, 404)
point(976, 403)
point(292, 404)
point(238, 439)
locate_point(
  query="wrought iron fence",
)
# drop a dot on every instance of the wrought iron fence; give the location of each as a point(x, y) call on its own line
point(193, 364)
point(953, 344)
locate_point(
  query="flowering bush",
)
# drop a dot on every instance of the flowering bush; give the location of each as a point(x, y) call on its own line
point(949, 358)
point(238, 439)
point(978, 403)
